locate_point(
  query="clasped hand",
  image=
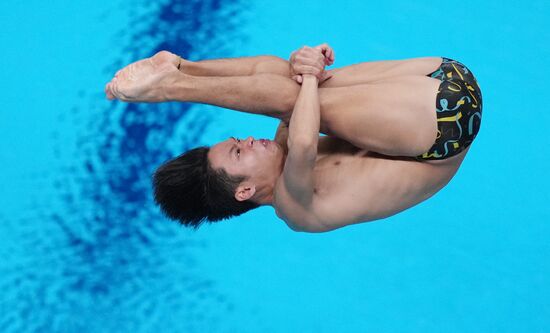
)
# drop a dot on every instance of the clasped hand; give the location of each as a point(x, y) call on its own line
point(312, 61)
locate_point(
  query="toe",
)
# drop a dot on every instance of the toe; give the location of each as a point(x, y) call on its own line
point(123, 73)
point(109, 91)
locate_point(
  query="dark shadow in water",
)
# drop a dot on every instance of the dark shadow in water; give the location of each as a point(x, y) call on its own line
point(105, 260)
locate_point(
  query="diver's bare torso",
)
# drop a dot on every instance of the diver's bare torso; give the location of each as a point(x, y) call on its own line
point(354, 186)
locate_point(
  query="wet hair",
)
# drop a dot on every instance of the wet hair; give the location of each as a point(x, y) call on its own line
point(189, 190)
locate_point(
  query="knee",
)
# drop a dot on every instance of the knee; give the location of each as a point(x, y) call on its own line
point(284, 88)
point(272, 65)
point(279, 92)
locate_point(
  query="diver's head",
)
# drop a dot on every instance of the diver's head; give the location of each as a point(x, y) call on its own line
point(216, 183)
point(259, 162)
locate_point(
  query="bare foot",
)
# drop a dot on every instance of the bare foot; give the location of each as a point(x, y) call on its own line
point(144, 80)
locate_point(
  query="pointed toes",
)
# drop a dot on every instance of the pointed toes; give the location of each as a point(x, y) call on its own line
point(109, 91)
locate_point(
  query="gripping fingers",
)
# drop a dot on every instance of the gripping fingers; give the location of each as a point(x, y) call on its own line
point(329, 56)
point(328, 53)
point(310, 61)
point(292, 56)
point(305, 69)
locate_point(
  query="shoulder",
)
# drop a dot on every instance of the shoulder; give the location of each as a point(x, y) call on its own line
point(286, 207)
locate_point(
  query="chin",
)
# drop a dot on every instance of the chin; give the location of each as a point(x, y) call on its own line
point(277, 146)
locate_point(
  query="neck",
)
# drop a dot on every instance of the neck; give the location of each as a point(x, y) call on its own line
point(265, 195)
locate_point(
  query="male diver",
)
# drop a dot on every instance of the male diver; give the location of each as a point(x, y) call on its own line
point(397, 132)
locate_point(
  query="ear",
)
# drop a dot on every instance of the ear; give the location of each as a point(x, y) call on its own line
point(245, 191)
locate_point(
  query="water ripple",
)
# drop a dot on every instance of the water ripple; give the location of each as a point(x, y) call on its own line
point(97, 256)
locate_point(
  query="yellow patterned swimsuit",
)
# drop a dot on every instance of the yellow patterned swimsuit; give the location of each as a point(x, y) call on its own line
point(458, 108)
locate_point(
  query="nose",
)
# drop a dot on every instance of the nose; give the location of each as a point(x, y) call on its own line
point(249, 141)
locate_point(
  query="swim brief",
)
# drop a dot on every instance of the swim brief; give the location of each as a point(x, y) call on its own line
point(458, 110)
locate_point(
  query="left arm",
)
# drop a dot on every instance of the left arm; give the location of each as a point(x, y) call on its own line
point(302, 143)
point(295, 188)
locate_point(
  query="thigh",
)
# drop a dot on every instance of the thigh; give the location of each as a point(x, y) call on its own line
point(371, 71)
point(395, 116)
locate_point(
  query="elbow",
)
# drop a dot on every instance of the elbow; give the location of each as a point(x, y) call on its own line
point(302, 141)
point(316, 228)
point(296, 228)
point(303, 146)
point(310, 227)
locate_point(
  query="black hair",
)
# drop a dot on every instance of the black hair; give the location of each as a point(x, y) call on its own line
point(189, 190)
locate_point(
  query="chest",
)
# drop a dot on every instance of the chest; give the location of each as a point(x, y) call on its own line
point(334, 173)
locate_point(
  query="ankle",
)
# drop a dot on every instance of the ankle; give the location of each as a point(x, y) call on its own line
point(176, 87)
point(187, 66)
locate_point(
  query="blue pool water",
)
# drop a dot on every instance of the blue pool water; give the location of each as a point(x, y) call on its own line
point(83, 249)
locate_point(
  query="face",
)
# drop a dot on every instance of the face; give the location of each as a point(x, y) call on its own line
point(259, 160)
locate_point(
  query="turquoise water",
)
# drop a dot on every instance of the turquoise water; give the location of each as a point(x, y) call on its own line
point(84, 249)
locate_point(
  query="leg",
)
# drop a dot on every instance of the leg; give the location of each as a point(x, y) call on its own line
point(237, 66)
point(132, 83)
point(393, 117)
point(401, 132)
point(346, 76)
point(367, 72)
point(364, 72)
point(367, 115)
point(262, 94)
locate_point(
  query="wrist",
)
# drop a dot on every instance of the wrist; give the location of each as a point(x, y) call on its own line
point(189, 67)
point(310, 77)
